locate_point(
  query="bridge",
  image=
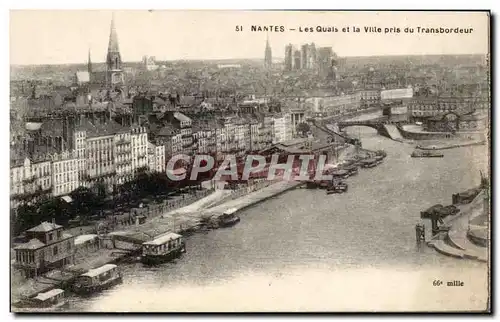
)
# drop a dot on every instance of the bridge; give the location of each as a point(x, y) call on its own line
point(383, 126)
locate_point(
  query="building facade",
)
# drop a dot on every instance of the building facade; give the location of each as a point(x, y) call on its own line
point(156, 158)
point(65, 173)
point(139, 146)
point(49, 247)
point(30, 180)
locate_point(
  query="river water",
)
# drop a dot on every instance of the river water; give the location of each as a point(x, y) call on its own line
point(305, 251)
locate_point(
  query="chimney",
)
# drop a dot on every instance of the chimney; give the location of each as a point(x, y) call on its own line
point(53, 221)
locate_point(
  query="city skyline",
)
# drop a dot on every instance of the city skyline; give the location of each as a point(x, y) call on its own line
point(141, 33)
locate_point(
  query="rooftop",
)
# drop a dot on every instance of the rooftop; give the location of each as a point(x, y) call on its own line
point(32, 244)
point(181, 117)
point(163, 239)
point(44, 227)
point(98, 271)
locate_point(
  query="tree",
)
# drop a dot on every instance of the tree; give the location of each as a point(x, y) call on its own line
point(303, 128)
point(84, 201)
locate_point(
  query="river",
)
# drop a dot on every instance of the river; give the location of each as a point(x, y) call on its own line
point(305, 251)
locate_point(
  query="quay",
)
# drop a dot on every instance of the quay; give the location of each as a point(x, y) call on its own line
point(254, 197)
point(445, 146)
point(119, 246)
point(466, 233)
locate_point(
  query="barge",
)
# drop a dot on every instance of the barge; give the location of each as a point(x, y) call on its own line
point(426, 154)
point(337, 187)
point(162, 249)
point(98, 279)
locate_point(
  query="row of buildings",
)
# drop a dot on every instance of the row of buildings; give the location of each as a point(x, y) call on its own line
point(104, 153)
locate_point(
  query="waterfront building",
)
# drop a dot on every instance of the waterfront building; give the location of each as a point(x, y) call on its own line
point(107, 150)
point(204, 138)
point(30, 178)
point(341, 104)
point(48, 247)
point(169, 137)
point(139, 146)
point(79, 145)
point(428, 106)
point(184, 123)
point(297, 113)
point(282, 128)
point(452, 122)
point(266, 132)
point(254, 143)
point(156, 158)
point(122, 151)
point(370, 97)
point(65, 169)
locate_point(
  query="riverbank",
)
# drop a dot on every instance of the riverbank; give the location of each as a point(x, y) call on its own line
point(449, 145)
point(178, 220)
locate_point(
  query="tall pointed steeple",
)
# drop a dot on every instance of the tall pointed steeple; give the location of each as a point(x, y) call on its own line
point(268, 57)
point(114, 75)
point(89, 64)
point(113, 37)
point(114, 60)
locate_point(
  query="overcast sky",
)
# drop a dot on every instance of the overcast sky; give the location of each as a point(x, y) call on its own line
point(57, 37)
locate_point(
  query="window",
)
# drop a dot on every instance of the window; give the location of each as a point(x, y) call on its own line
point(55, 250)
point(50, 237)
point(59, 234)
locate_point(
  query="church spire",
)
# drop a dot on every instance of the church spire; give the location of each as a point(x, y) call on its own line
point(268, 58)
point(113, 59)
point(89, 64)
point(113, 37)
point(114, 75)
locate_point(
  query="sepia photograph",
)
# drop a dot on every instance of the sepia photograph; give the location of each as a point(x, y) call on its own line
point(186, 161)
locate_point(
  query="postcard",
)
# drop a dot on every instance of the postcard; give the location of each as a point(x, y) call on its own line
point(250, 161)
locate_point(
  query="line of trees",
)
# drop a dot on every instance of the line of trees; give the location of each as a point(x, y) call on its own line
point(87, 204)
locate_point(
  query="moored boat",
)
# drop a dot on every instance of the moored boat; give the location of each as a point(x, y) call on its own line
point(352, 169)
point(229, 218)
point(97, 279)
point(368, 163)
point(426, 154)
point(340, 173)
point(163, 249)
point(45, 301)
point(337, 187)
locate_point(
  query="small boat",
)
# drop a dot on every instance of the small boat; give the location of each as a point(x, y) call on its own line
point(98, 279)
point(340, 173)
point(337, 187)
point(163, 249)
point(368, 163)
point(426, 154)
point(352, 169)
point(229, 218)
point(323, 184)
point(46, 301)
